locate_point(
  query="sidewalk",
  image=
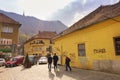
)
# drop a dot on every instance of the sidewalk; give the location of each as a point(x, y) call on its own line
point(80, 74)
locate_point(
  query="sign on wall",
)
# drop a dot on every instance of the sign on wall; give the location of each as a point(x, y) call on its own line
point(103, 50)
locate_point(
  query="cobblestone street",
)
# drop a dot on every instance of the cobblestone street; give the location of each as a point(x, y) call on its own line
point(40, 72)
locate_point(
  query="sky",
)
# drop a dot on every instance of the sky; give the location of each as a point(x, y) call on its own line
point(67, 11)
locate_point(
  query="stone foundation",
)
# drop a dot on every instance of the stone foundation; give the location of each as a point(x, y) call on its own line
point(112, 66)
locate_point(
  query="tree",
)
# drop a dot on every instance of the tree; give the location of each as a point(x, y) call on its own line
point(27, 63)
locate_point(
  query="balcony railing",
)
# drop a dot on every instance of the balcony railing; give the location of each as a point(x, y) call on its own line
point(5, 41)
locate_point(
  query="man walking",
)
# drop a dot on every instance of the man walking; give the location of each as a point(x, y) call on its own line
point(55, 60)
point(35, 59)
point(49, 62)
point(67, 62)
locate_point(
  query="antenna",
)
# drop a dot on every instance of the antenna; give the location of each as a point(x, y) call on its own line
point(23, 13)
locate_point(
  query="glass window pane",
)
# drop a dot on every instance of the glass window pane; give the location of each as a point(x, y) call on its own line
point(7, 29)
point(81, 50)
point(117, 45)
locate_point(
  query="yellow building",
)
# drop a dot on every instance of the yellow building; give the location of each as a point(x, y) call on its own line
point(94, 41)
point(40, 44)
point(9, 30)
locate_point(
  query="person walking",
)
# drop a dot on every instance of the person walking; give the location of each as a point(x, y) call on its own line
point(35, 59)
point(67, 63)
point(55, 60)
point(49, 62)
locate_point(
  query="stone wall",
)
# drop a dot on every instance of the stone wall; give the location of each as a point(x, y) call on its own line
point(112, 66)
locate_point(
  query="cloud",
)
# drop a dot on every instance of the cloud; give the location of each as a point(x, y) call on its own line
point(77, 9)
point(8, 5)
point(42, 8)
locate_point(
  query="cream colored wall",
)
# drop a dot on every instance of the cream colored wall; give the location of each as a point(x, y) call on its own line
point(34, 48)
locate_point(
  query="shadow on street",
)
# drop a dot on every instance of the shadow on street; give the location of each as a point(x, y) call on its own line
point(51, 75)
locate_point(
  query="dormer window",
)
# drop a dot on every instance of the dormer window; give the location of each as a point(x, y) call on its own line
point(41, 42)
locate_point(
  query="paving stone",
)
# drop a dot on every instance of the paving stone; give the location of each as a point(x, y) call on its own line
point(40, 72)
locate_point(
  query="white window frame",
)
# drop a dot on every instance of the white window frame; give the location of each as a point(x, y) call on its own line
point(7, 29)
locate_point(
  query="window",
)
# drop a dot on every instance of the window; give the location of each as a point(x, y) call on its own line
point(117, 45)
point(33, 42)
point(7, 29)
point(81, 50)
point(51, 42)
point(49, 49)
point(40, 48)
point(5, 41)
point(41, 42)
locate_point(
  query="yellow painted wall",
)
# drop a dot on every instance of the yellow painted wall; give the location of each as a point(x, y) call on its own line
point(97, 36)
point(35, 48)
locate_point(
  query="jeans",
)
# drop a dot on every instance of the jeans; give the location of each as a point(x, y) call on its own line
point(68, 66)
point(55, 65)
point(49, 66)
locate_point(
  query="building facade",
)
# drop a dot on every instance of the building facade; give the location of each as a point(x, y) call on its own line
point(94, 41)
point(39, 44)
point(9, 30)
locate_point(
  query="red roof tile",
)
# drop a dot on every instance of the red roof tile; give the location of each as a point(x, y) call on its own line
point(45, 34)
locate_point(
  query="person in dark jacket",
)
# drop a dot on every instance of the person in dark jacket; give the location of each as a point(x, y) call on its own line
point(55, 60)
point(67, 63)
point(49, 62)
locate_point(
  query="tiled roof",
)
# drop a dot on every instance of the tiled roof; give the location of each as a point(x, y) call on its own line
point(100, 14)
point(43, 35)
point(6, 19)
